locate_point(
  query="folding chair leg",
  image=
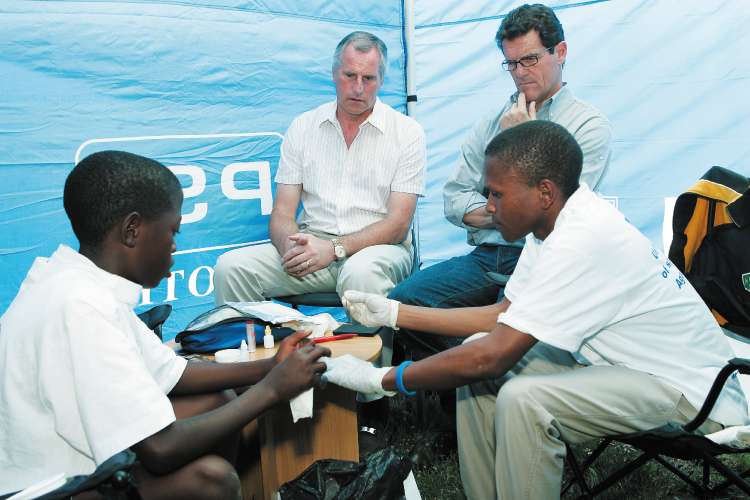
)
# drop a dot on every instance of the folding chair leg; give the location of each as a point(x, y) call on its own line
point(624, 471)
point(727, 483)
point(728, 473)
point(699, 490)
point(706, 474)
point(595, 454)
point(584, 467)
point(577, 475)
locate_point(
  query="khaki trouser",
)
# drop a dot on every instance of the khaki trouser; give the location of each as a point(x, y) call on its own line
point(255, 273)
point(512, 431)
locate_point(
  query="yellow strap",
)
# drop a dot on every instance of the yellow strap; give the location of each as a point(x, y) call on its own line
point(719, 318)
point(695, 230)
point(715, 191)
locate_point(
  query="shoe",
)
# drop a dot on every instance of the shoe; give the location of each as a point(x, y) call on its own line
point(370, 440)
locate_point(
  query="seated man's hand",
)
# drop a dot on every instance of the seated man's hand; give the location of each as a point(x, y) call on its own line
point(301, 369)
point(519, 112)
point(308, 254)
point(370, 309)
point(289, 345)
point(357, 375)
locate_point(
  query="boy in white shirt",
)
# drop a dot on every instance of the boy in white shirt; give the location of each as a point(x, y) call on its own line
point(83, 378)
point(598, 333)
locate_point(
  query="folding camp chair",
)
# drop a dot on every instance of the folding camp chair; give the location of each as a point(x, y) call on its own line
point(674, 441)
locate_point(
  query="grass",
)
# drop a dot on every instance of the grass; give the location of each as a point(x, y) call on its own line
point(437, 473)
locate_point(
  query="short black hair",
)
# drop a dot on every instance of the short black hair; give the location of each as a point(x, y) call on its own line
point(525, 18)
point(106, 186)
point(540, 149)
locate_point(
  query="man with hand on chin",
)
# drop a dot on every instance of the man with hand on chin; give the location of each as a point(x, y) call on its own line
point(534, 50)
point(597, 334)
point(357, 167)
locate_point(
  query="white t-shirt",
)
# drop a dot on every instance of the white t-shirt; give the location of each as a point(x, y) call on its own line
point(82, 377)
point(597, 288)
point(346, 189)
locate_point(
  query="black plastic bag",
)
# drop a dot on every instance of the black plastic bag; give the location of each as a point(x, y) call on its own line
point(380, 477)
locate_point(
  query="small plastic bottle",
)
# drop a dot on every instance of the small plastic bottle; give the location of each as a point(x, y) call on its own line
point(268, 338)
point(250, 334)
point(244, 353)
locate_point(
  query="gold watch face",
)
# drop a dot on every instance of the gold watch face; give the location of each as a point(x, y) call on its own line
point(339, 251)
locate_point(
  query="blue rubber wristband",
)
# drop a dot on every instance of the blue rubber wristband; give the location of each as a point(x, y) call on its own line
point(400, 379)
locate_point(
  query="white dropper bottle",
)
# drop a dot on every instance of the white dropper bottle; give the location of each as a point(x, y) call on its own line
point(244, 353)
point(268, 338)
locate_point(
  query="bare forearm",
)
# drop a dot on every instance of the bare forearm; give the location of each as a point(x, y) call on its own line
point(458, 322)
point(384, 232)
point(185, 440)
point(487, 358)
point(280, 228)
point(200, 378)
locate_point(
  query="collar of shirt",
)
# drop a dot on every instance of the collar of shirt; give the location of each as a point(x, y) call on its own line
point(578, 196)
point(376, 118)
point(559, 99)
point(67, 258)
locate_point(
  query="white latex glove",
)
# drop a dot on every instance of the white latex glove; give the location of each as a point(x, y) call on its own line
point(353, 373)
point(370, 309)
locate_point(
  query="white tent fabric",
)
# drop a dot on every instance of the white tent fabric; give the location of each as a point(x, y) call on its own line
point(208, 86)
point(670, 75)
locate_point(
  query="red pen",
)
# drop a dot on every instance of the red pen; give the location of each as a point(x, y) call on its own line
point(334, 337)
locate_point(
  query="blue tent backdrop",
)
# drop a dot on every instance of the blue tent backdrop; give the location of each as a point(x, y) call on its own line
point(209, 87)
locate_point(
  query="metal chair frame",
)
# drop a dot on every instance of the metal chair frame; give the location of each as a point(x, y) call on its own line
point(674, 441)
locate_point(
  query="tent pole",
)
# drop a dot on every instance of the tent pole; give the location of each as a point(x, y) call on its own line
point(411, 104)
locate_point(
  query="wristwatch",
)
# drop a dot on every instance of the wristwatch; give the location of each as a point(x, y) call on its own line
point(339, 252)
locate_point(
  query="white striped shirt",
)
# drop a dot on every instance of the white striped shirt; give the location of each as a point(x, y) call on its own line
point(346, 189)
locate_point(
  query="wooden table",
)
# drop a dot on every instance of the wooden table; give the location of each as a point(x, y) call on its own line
point(285, 448)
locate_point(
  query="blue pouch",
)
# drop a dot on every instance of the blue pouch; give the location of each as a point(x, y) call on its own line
point(224, 328)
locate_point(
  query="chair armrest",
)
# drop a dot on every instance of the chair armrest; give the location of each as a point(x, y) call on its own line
point(741, 364)
point(737, 364)
point(155, 317)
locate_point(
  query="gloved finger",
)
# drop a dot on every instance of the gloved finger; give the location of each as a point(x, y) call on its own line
point(356, 296)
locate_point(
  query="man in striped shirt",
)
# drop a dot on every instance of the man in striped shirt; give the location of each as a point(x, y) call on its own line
point(357, 167)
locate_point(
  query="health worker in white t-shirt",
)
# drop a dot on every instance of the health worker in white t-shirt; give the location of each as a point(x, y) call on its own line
point(598, 333)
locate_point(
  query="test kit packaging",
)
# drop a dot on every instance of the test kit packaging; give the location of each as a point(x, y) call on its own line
point(225, 327)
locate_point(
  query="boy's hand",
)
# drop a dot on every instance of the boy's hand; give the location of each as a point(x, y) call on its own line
point(300, 370)
point(288, 345)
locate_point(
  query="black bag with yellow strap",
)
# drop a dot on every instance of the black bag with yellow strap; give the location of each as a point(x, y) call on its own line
point(711, 244)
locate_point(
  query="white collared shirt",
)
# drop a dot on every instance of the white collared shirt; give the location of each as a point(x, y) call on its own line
point(346, 189)
point(82, 377)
